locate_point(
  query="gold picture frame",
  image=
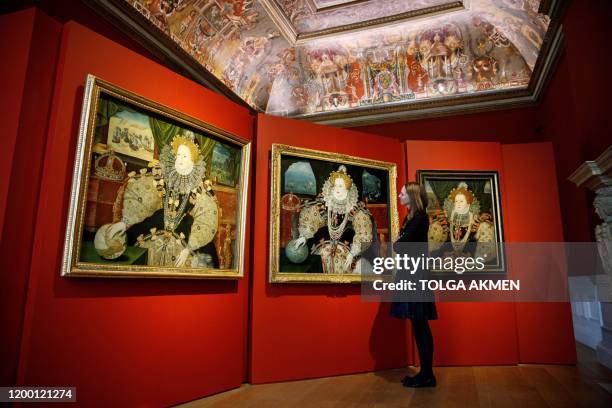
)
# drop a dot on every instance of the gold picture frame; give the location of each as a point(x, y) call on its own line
point(325, 164)
point(485, 235)
point(176, 194)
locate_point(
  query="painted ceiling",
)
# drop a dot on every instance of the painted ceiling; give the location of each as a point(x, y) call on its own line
point(310, 58)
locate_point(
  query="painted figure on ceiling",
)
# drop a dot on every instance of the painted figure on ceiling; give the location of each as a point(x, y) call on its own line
point(314, 93)
point(329, 74)
point(485, 71)
point(186, 22)
point(354, 82)
point(417, 77)
point(251, 51)
point(437, 60)
point(385, 86)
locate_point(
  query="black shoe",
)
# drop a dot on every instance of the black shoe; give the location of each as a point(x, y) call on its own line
point(421, 382)
point(408, 380)
point(411, 379)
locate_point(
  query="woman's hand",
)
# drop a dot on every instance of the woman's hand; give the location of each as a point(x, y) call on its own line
point(117, 229)
point(348, 262)
point(301, 241)
point(182, 258)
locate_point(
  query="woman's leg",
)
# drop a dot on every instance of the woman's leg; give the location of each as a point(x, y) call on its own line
point(424, 342)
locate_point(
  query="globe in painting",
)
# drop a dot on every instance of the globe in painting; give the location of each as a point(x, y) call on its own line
point(296, 254)
point(109, 247)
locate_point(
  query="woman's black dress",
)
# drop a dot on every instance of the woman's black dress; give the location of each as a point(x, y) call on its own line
point(414, 230)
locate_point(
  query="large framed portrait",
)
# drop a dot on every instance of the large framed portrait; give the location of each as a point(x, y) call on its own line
point(331, 214)
point(155, 193)
point(465, 217)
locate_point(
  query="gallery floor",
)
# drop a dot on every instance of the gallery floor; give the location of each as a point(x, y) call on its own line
point(588, 384)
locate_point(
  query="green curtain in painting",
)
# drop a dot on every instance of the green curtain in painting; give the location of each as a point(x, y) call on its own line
point(236, 166)
point(163, 132)
point(206, 148)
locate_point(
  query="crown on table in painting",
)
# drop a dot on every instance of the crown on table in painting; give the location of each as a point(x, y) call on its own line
point(109, 166)
point(290, 202)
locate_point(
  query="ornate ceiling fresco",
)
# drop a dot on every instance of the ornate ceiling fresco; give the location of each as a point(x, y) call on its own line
point(359, 61)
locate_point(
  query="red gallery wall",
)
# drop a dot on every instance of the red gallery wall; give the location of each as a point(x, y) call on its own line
point(505, 126)
point(15, 39)
point(468, 333)
point(533, 214)
point(27, 84)
point(132, 341)
point(12, 287)
point(305, 330)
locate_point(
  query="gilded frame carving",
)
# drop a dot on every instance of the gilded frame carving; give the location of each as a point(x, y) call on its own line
point(71, 264)
point(278, 151)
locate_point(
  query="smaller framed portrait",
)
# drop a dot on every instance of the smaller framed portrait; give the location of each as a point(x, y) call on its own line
point(331, 214)
point(155, 193)
point(465, 217)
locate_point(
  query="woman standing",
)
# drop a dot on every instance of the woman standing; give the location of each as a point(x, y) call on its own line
point(414, 230)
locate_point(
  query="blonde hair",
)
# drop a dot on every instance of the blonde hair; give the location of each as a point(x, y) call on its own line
point(418, 197)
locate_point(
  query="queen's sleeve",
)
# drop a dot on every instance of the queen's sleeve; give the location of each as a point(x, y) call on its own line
point(486, 246)
point(310, 221)
point(205, 215)
point(362, 225)
point(140, 200)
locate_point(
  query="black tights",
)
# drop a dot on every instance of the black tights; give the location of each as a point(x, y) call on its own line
point(424, 342)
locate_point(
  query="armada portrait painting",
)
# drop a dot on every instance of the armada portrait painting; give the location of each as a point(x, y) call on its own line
point(465, 217)
point(331, 214)
point(155, 193)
